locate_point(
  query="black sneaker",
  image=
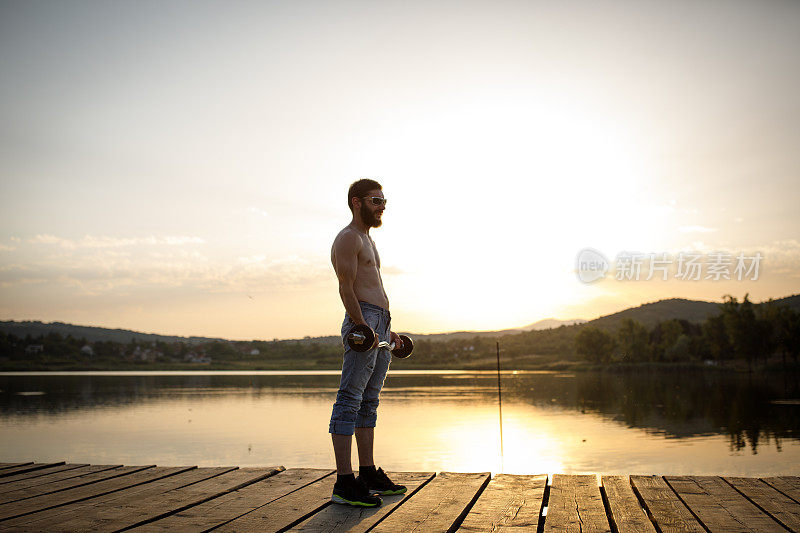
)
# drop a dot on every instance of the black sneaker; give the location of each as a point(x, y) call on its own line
point(380, 483)
point(355, 493)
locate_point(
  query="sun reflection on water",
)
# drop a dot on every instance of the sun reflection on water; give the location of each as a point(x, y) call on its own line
point(426, 423)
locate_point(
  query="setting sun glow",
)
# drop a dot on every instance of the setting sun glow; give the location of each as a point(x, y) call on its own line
point(159, 180)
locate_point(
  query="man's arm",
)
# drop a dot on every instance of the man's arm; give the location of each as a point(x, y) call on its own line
point(346, 251)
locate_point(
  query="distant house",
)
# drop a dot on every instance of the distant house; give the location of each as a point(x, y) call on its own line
point(255, 351)
point(146, 354)
point(192, 357)
point(87, 350)
point(34, 348)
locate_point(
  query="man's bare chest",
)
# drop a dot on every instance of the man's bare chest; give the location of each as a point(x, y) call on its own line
point(369, 257)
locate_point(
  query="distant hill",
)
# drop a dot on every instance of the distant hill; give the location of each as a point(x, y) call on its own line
point(92, 333)
point(792, 302)
point(548, 323)
point(648, 314)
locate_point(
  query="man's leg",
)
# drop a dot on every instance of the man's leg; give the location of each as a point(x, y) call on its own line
point(365, 439)
point(356, 371)
point(368, 411)
point(342, 446)
point(375, 479)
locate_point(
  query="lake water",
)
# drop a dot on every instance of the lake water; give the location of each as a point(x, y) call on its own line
point(553, 422)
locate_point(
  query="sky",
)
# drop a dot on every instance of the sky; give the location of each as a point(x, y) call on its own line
point(182, 167)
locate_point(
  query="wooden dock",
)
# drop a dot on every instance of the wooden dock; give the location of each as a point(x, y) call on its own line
point(57, 497)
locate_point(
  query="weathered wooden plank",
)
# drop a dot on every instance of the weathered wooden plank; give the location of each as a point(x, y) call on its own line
point(66, 484)
point(334, 518)
point(128, 510)
point(53, 520)
point(575, 504)
point(225, 508)
point(438, 506)
point(782, 508)
point(26, 468)
point(20, 509)
point(3, 466)
point(664, 507)
point(60, 475)
point(508, 502)
point(789, 485)
point(717, 505)
point(284, 511)
point(626, 511)
point(38, 473)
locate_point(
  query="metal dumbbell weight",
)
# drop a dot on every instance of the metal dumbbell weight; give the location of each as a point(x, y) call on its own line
point(361, 338)
point(405, 351)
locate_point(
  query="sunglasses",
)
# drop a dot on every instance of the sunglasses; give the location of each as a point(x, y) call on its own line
point(377, 201)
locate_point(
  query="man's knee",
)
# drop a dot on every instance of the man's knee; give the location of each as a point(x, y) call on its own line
point(366, 420)
point(349, 398)
point(368, 405)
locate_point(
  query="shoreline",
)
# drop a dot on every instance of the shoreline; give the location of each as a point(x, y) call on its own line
point(556, 366)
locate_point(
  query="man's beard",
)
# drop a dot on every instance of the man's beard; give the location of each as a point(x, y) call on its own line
point(369, 218)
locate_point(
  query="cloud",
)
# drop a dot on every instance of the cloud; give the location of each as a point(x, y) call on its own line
point(696, 229)
point(5, 248)
point(259, 273)
point(99, 270)
point(782, 257)
point(91, 241)
point(252, 259)
point(392, 271)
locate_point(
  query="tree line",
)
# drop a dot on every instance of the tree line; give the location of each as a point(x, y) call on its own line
point(741, 331)
point(54, 347)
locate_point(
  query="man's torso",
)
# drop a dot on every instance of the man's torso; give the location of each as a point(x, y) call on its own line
point(368, 284)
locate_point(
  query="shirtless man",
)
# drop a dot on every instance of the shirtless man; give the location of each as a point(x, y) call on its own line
point(357, 264)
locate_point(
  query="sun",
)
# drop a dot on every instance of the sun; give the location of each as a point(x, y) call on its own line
point(529, 188)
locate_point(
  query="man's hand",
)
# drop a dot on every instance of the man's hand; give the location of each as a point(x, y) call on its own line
point(395, 338)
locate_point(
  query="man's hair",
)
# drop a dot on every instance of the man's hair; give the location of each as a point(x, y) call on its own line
point(359, 189)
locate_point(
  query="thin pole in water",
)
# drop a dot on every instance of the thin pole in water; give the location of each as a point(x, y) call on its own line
point(500, 402)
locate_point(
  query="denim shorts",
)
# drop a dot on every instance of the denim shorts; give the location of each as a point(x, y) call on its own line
point(363, 374)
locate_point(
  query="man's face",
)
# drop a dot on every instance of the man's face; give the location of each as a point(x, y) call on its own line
point(370, 213)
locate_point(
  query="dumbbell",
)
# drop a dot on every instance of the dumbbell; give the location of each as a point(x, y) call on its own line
point(361, 338)
point(400, 353)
